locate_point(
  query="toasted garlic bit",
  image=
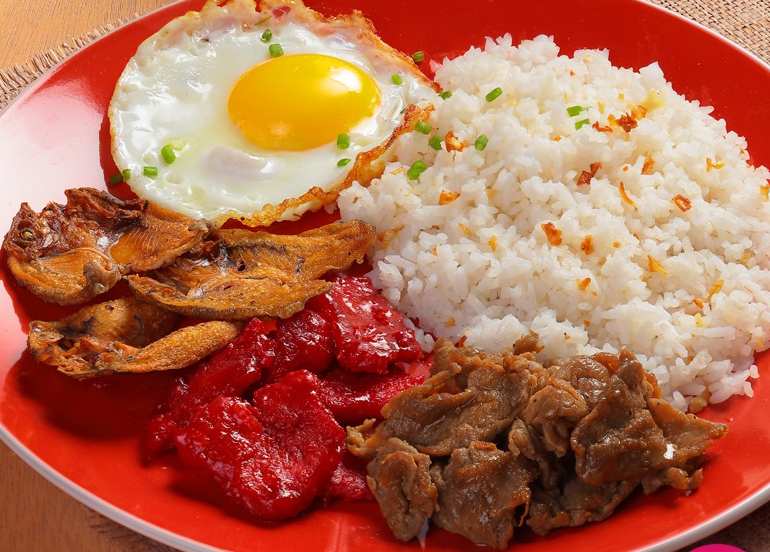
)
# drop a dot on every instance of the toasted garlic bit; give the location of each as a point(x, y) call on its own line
point(587, 245)
point(765, 191)
point(638, 112)
point(649, 165)
point(654, 266)
point(698, 302)
point(585, 177)
point(447, 197)
point(584, 283)
point(713, 164)
point(453, 143)
point(746, 257)
point(466, 230)
point(552, 233)
point(627, 122)
point(682, 203)
point(716, 288)
point(492, 242)
point(624, 196)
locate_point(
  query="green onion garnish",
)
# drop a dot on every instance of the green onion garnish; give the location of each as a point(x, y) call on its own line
point(149, 170)
point(126, 174)
point(422, 127)
point(481, 142)
point(417, 168)
point(116, 179)
point(396, 79)
point(445, 94)
point(167, 153)
point(267, 36)
point(435, 142)
point(343, 162)
point(418, 56)
point(580, 124)
point(343, 141)
point(276, 50)
point(494, 94)
point(575, 110)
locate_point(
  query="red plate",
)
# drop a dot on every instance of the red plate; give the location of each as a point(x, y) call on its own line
point(83, 436)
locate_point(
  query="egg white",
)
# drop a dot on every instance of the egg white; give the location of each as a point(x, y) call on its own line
point(175, 91)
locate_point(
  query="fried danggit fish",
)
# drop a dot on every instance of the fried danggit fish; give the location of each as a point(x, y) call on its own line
point(240, 274)
point(68, 254)
point(124, 335)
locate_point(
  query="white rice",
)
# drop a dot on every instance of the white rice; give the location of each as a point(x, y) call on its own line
point(482, 267)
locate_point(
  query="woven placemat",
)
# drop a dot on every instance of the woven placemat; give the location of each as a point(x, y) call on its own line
point(746, 22)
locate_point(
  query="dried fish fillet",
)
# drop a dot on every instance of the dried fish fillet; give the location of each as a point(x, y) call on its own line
point(231, 297)
point(124, 335)
point(68, 254)
point(241, 274)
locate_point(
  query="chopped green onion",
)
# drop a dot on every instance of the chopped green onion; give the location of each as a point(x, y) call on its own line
point(417, 168)
point(343, 162)
point(575, 110)
point(149, 170)
point(267, 36)
point(116, 179)
point(435, 142)
point(418, 56)
point(481, 142)
point(396, 79)
point(422, 127)
point(343, 141)
point(494, 94)
point(445, 94)
point(276, 50)
point(580, 124)
point(167, 153)
point(126, 174)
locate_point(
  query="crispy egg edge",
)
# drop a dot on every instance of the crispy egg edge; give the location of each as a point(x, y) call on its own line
point(368, 164)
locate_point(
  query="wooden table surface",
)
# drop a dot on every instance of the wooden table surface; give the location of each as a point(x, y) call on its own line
point(34, 515)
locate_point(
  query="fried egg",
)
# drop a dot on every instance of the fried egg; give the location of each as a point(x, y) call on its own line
point(260, 114)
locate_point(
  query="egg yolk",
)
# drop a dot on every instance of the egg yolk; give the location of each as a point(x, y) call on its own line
point(299, 102)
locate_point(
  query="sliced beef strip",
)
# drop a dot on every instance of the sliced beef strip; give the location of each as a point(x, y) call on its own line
point(577, 504)
point(619, 439)
point(400, 482)
point(526, 441)
point(587, 375)
point(687, 438)
point(631, 435)
point(554, 411)
point(458, 405)
point(688, 435)
point(481, 492)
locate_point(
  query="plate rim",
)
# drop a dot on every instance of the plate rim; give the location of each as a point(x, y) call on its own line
point(170, 538)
